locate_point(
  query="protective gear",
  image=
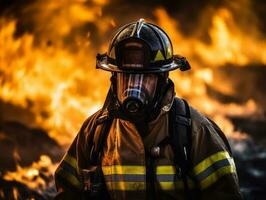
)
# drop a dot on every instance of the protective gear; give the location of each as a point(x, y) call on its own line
point(140, 56)
point(136, 91)
point(140, 47)
point(125, 154)
point(130, 154)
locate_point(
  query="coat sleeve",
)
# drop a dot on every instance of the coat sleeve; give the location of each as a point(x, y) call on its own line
point(213, 165)
point(67, 175)
point(67, 179)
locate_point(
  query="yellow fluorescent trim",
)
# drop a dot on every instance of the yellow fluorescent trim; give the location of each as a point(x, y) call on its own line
point(125, 185)
point(210, 160)
point(119, 169)
point(173, 185)
point(216, 175)
point(167, 169)
point(70, 160)
point(69, 177)
point(168, 185)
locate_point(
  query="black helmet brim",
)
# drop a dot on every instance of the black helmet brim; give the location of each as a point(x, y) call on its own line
point(177, 62)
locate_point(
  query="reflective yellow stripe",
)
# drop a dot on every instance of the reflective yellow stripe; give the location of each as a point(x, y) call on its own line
point(164, 173)
point(69, 177)
point(70, 171)
point(70, 160)
point(216, 175)
point(123, 169)
point(171, 185)
point(214, 167)
point(126, 185)
point(120, 169)
point(210, 160)
point(179, 184)
point(167, 169)
point(167, 185)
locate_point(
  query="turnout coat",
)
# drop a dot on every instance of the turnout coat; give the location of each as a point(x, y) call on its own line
point(124, 163)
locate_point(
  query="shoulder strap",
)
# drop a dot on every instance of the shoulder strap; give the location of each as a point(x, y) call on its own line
point(181, 136)
point(180, 132)
point(96, 142)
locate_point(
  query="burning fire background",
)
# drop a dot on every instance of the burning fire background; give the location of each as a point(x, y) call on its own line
point(49, 84)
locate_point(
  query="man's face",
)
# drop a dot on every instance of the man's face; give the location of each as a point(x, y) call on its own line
point(135, 91)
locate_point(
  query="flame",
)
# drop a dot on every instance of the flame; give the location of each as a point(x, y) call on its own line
point(228, 128)
point(15, 193)
point(228, 43)
point(30, 176)
point(50, 70)
point(205, 74)
point(49, 80)
point(61, 87)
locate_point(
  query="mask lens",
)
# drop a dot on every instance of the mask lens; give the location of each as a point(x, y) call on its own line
point(134, 91)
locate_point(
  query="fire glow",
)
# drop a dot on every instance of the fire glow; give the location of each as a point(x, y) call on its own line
point(57, 80)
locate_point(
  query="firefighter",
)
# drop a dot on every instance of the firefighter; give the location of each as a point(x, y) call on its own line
point(145, 143)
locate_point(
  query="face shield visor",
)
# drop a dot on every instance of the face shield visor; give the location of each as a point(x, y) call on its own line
point(136, 92)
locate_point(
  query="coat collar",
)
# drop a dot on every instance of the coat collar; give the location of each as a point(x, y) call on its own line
point(167, 102)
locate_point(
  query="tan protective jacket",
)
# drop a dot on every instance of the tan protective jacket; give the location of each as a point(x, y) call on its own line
point(124, 166)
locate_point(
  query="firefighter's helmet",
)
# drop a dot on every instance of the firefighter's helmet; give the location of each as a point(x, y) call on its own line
point(140, 47)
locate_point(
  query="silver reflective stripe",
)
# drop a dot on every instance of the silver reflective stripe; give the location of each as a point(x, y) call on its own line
point(214, 167)
point(137, 177)
point(119, 177)
point(211, 169)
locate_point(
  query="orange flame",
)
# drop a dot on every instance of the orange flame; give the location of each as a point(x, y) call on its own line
point(30, 175)
point(61, 87)
point(55, 78)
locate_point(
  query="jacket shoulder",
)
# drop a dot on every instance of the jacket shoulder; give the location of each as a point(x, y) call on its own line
point(212, 163)
point(89, 122)
point(67, 173)
point(208, 132)
point(202, 126)
point(83, 137)
point(198, 119)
